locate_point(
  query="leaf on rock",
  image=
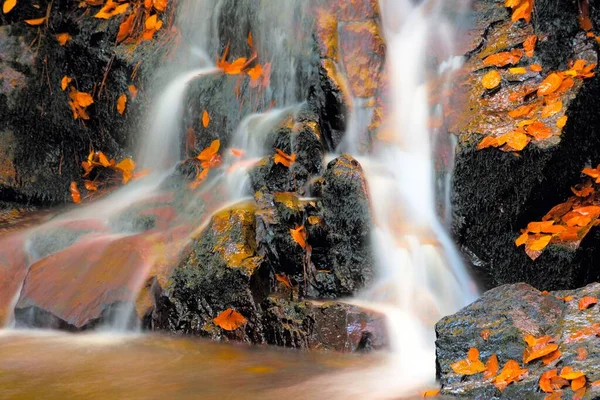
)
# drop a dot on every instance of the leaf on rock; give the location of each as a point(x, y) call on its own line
point(511, 372)
point(8, 5)
point(491, 80)
point(552, 109)
point(35, 22)
point(283, 158)
point(550, 84)
point(485, 334)
point(586, 302)
point(121, 103)
point(110, 9)
point(529, 45)
point(581, 354)
point(132, 91)
point(230, 320)
point(504, 58)
point(562, 121)
point(126, 167)
point(470, 365)
point(209, 153)
point(568, 373)
point(205, 119)
point(538, 347)
point(63, 38)
point(75, 195)
point(491, 367)
point(299, 235)
point(545, 382)
point(64, 83)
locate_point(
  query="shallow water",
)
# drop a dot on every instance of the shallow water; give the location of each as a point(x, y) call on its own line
point(54, 365)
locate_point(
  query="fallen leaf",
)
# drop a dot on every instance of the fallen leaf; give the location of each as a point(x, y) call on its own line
point(110, 9)
point(205, 119)
point(550, 84)
point(579, 394)
point(121, 103)
point(504, 58)
point(430, 393)
point(64, 83)
point(126, 28)
point(536, 67)
point(35, 22)
point(562, 121)
point(160, 5)
point(283, 279)
point(552, 109)
point(283, 158)
point(545, 383)
point(518, 70)
point(126, 167)
point(540, 243)
point(511, 372)
point(250, 40)
point(63, 38)
point(210, 153)
point(529, 45)
point(578, 383)
point(491, 367)
point(520, 111)
point(539, 130)
point(230, 320)
point(90, 186)
point(568, 373)
point(299, 235)
point(491, 80)
point(586, 302)
point(538, 347)
point(8, 6)
point(132, 91)
point(487, 141)
point(75, 195)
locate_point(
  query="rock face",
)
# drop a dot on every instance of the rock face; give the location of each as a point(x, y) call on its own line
point(496, 193)
point(509, 313)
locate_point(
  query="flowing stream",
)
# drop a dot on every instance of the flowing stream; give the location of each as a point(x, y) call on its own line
point(420, 276)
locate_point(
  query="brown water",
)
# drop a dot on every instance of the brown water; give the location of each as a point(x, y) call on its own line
point(52, 365)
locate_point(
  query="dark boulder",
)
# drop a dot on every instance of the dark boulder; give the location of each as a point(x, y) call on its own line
point(509, 313)
point(496, 193)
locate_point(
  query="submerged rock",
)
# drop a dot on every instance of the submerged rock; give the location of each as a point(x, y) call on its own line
point(508, 313)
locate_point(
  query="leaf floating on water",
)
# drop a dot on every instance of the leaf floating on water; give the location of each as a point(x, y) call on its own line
point(75, 195)
point(121, 103)
point(205, 119)
point(8, 5)
point(491, 80)
point(586, 302)
point(230, 320)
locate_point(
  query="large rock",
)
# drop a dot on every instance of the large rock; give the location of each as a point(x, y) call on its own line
point(509, 313)
point(497, 193)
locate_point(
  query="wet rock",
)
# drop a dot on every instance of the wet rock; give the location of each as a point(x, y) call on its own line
point(94, 281)
point(346, 213)
point(13, 269)
point(495, 193)
point(323, 326)
point(510, 312)
point(223, 271)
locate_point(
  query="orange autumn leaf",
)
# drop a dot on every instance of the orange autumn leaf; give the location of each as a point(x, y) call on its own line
point(550, 84)
point(545, 382)
point(523, 11)
point(64, 83)
point(491, 367)
point(552, 109)
point(430, 393)
point(205, 119)
point(284, 159)
point(586, 302)
point(485, 334)
point(558, 382)
point(63, 38)
point(529, 45)
point(521, 240)
point(562, 121)
point(35, 22)
point(160, 5)
point(595, 383)
point(486, 142)
point(132, 91)
point(200, 178)
point(75, 195)
point(121, 103)
point(569, 374)
point(539, 130)
point(511, 372)
point(582, 191)
point(470, 365)
point(581, 354)
point(283, 279)
point(255, 73)
point(579, 394)
point(126, 28)
point(90, 186)
point(208, 153)
point(516, 140)
point(103, 160)
point(520, 111)
point(518, 70)
point(230, 320)
point(540, 243)
point(550, 358)
point(535, 67)
point(299, 235)
point(250, 41)
point(504, 58)
point(491, 80)
point(538, 347)
point(126, 167)
point(8, 5)
point(544, 226)
point(110, 9)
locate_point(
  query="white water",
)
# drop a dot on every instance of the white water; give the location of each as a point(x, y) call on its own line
point(421, 277)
